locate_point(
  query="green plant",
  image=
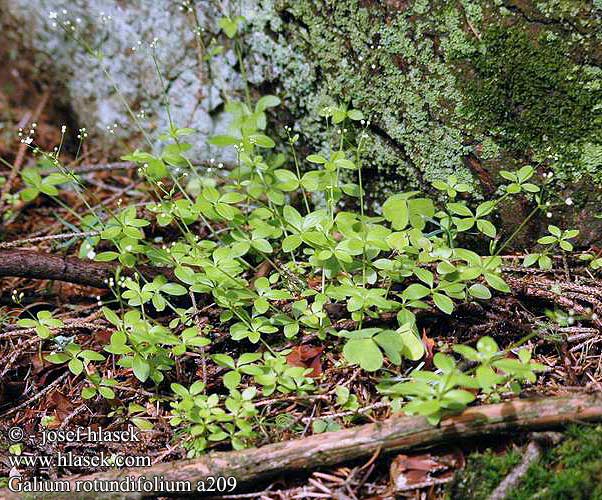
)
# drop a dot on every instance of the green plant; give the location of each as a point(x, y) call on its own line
point(99, 385)
point(556, 239)
point(43, 324)
point(76, 358)
point(449, 389)
point(284, 247)
point(206, 422)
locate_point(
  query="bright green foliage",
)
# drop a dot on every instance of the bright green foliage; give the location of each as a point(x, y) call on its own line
point(321, 257)
point(37, 184)
point(99, 385)
point(43, 324)
point(207, 422)
point(556, 239)
point(76, 358)
point(433, 394)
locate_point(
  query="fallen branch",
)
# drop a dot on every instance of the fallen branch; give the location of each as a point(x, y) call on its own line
point(37, 265)
point(51, 237)
point(394, 434)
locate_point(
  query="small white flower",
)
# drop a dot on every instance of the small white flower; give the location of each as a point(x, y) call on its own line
point(549, 215)
point(91, 254)
point(63, 129)
point(569, 201)
point(52, 15)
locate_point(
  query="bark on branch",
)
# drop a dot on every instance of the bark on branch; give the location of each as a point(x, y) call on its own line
point(44, 266)
point(394, 434)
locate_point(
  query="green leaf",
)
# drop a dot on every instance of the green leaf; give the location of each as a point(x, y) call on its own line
point(287, 180)
point(355, 114)
point(416, 291)
point(261, 140)
point(262, 245)
point(106, 392)
point(142, 424)
point(76, 366)
point(141, 368)
point(396, 211)
point(487, 228)
point(88, 392)
point(391, 342)
point(173, 289)
point(106, 256)
point(290, 243)
point(58, 357)
point(459, 209)
point(444, 362)
point(365, 353)
point(231, 379)
point(443, 302)
point(413, 348)
point(267, 101)
point(230, 26)
point(316, 159)
point(223, 141)
point(530, 259)
point(27, 323)
point(487, 345)
point(494, 281)
point(479, 291)
point(179, 389)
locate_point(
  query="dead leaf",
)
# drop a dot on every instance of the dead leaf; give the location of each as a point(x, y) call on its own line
point(409, 471)
point(306, 356)
point(429, 345)
point(61, 404)
point(103, 337)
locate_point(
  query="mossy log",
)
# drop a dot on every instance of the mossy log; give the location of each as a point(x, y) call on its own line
point(394, 434)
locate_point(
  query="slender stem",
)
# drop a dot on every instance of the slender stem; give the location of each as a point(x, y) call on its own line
point(518, 229)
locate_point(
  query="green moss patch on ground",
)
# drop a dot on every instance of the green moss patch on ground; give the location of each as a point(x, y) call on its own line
point(572, 470)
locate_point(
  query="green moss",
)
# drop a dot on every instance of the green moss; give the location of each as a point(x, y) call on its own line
point(571, 470)
point(531, 92)
point(482, 473)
